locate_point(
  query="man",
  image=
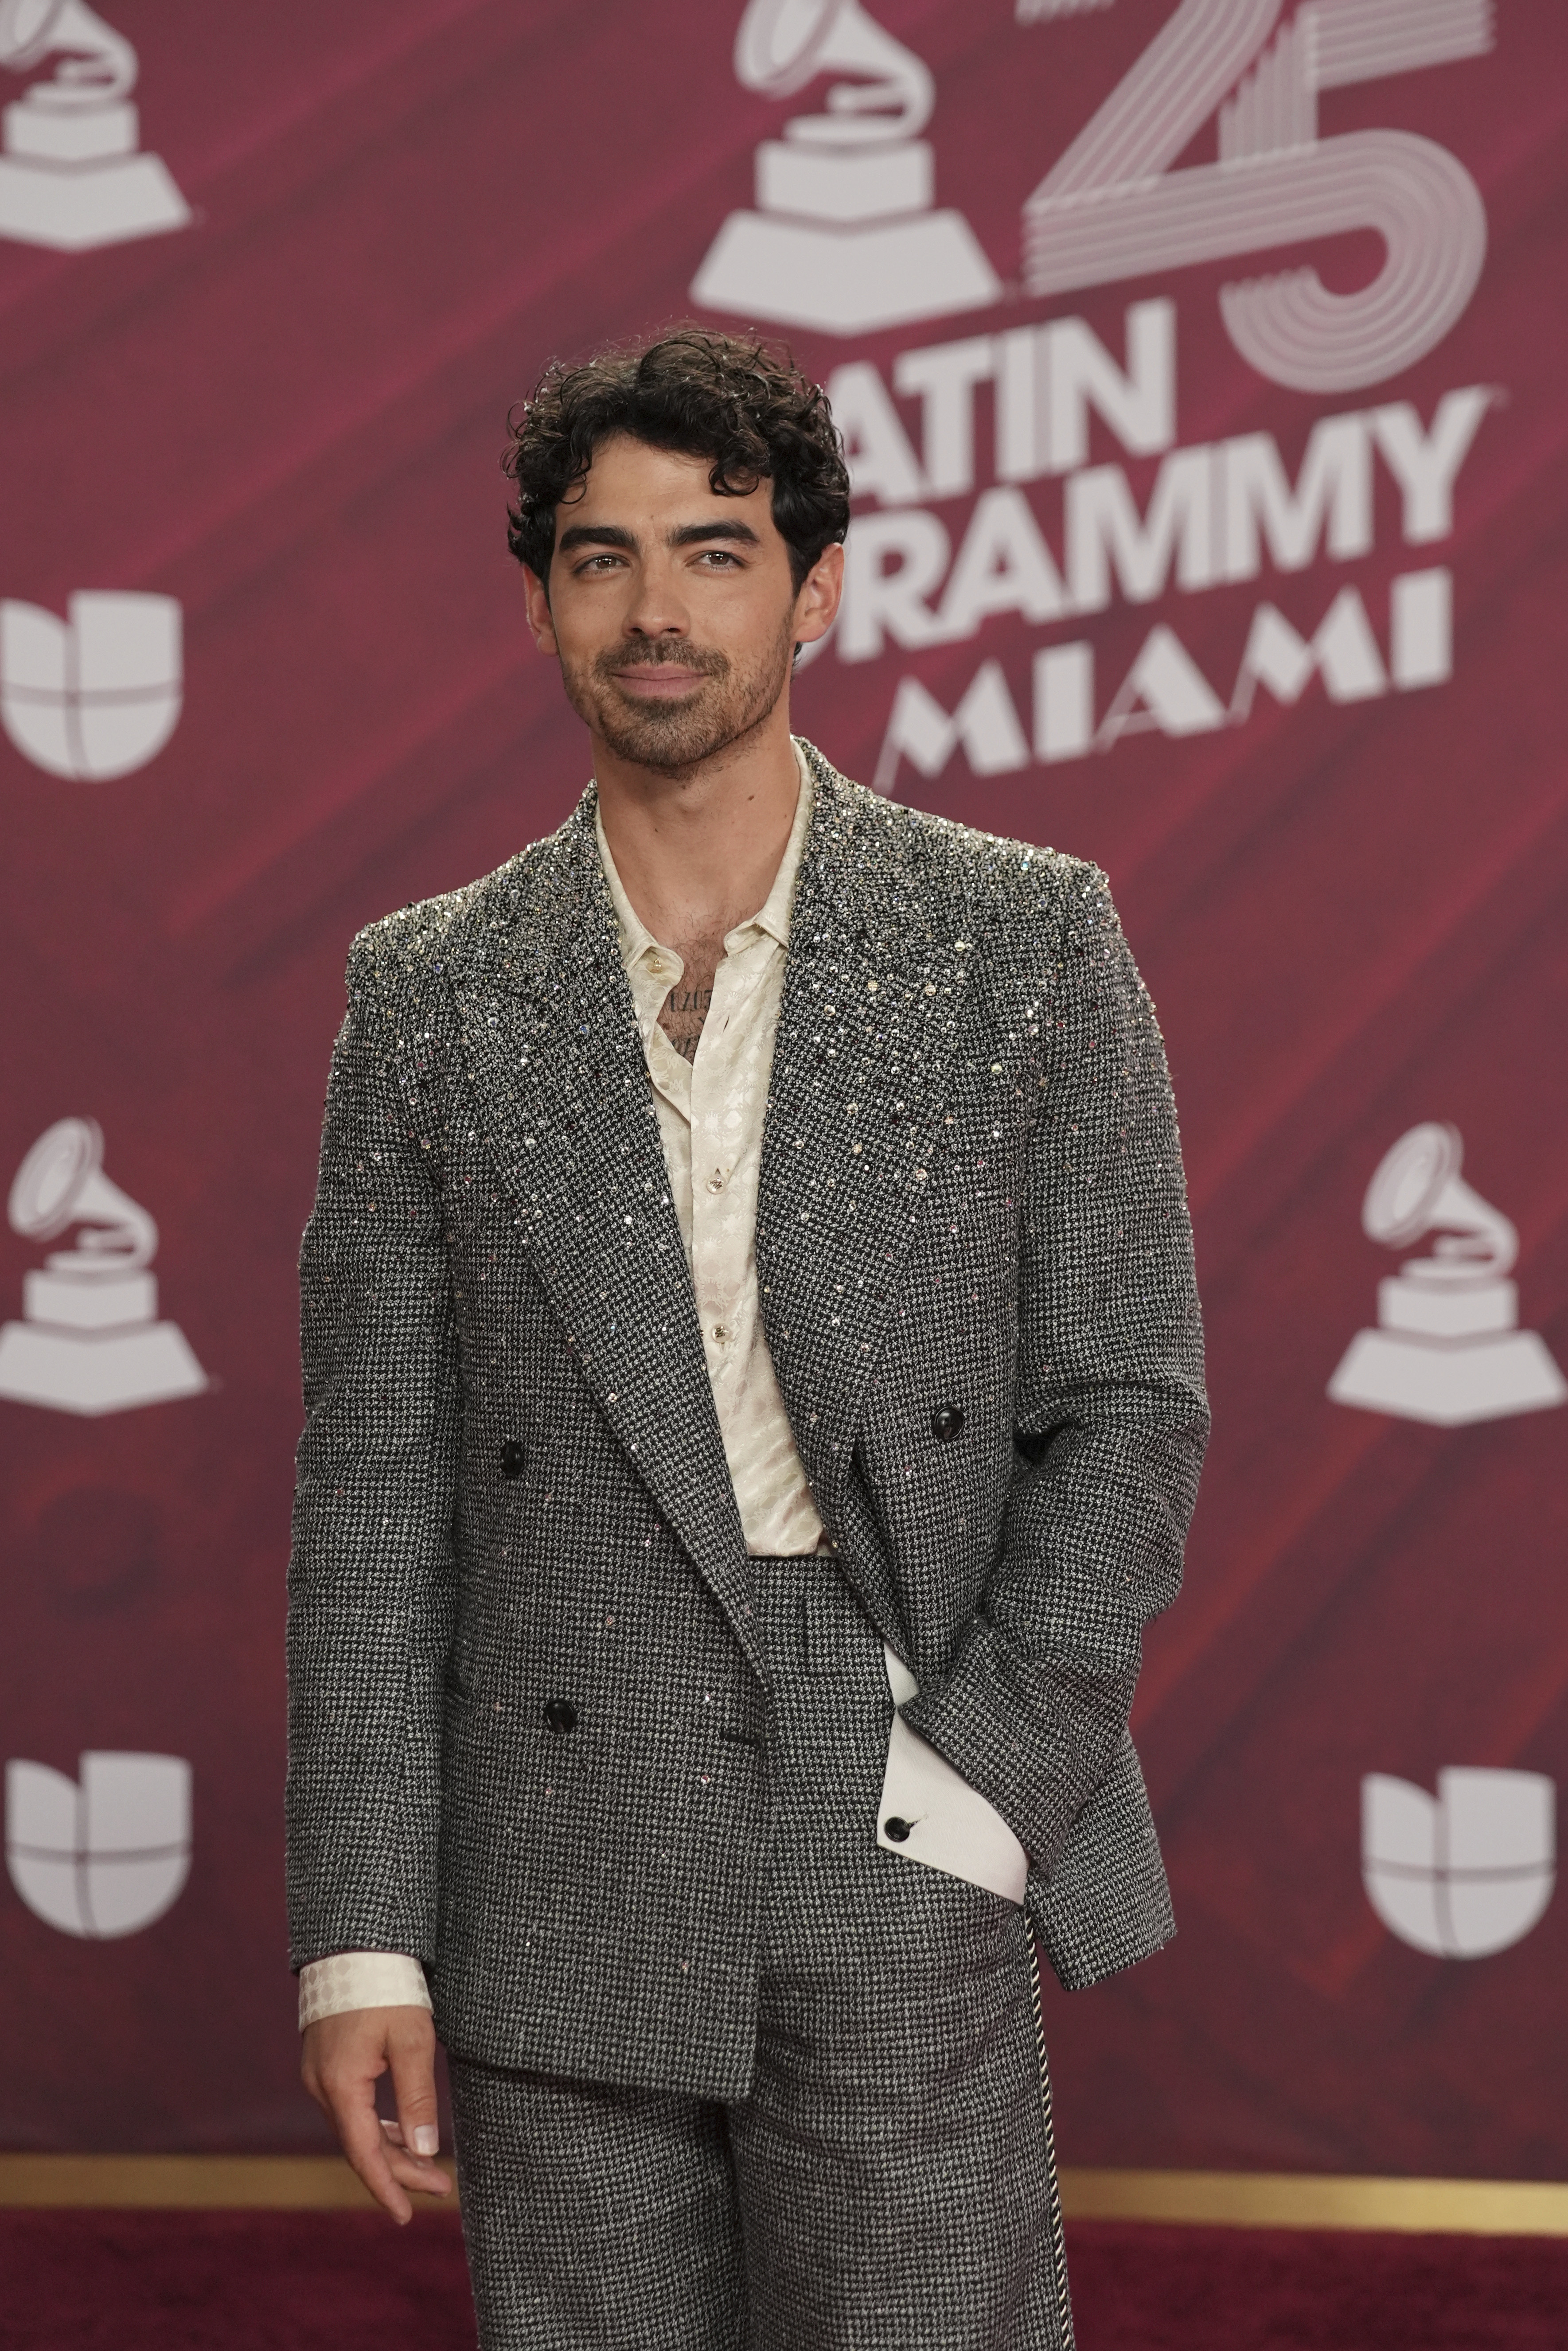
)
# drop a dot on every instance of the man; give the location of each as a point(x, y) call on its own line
point(753, 1374)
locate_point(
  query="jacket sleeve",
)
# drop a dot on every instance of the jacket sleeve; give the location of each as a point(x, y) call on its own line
point(1111, 1419)
point(372, 1572)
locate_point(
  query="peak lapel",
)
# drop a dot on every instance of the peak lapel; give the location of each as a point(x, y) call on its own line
point(562, 1093)
point(876, 977)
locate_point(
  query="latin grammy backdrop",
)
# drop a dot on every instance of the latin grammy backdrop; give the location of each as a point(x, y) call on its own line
point(1199, 368)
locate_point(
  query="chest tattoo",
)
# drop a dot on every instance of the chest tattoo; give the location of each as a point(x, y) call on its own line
point(681, 1017)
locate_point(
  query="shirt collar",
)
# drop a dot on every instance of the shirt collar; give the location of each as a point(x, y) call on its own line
point(772, 916)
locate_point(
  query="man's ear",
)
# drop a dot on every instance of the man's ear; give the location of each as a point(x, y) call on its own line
point(817, 605)
point(539, 620)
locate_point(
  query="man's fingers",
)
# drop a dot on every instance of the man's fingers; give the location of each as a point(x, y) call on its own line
point(388, 2170)
point(377, 2166)
point(411, 2052)
point(427, 2177)
point(417, 2172)
point(342, 2060)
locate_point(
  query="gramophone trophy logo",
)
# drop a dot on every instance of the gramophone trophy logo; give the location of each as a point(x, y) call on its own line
point(1467, 1873)
point(71, 175)
point(845, 236)
point(104, 1856)
point(97, 695)
point(90, 1341)
point(1446, 1348)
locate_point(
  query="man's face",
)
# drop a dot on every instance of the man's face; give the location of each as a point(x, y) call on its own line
point(672, 609)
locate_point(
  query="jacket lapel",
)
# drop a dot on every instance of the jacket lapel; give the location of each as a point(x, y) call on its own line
point(562, 1094)
point(876, 977)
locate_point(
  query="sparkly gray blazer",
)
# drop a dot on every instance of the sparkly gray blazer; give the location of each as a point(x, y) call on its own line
point(513, 1504)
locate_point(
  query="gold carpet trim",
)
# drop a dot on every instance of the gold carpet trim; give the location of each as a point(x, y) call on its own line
point(190, 2183)
point(1304, 2199)
point(1235, 2200)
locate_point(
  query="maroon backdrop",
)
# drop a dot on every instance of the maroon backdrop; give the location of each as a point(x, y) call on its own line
point(287, 415)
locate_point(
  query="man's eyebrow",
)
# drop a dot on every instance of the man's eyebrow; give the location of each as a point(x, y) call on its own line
point(691, 533)
point(595, 534)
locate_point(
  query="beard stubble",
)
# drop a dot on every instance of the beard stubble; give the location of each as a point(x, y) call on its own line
point(676, 739)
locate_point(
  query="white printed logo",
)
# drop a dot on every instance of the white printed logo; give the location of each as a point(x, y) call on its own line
point(97, 694)
point(1464, 1875)
point(71, 175)
point(845, 238)
point(107, 1856)
point(1112, 208)
point(90, 1342)
point(1446, 1348)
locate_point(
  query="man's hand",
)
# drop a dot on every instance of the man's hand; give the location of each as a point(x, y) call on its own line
point(342, 2059)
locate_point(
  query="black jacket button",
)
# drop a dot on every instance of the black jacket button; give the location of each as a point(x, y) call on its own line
point(897, 1829)
point(947, 1423)
point(560, 1714)
point(511, 1458)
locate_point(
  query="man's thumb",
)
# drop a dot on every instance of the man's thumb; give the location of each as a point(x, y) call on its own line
point(414, 2081)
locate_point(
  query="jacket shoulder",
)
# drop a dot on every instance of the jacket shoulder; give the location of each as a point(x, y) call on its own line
point(423, 942)
point(1010, 879)
point(415, 933)
point(1004, 883)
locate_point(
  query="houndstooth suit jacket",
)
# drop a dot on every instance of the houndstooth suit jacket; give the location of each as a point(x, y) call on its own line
point(513, 1508)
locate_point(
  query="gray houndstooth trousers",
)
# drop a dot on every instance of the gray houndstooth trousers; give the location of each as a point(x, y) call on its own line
point(887, 2183)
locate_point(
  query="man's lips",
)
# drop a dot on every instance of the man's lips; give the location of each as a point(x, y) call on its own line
point(657, 681)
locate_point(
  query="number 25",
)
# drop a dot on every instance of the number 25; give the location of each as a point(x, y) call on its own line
point(1111, 207)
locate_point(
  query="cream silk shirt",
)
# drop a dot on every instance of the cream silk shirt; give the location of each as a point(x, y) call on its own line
point(710, 1121)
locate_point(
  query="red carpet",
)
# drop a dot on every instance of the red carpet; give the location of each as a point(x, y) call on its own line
point(1157, 2289)
point(335, 2282)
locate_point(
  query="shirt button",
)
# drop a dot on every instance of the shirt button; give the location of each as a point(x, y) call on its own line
point(721, 1332)
point(895, 1829)
point(716, 1181)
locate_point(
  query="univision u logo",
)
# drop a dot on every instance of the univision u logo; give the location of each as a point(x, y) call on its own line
point(97, 695)
point(1465, 1873)
point(105, 1856)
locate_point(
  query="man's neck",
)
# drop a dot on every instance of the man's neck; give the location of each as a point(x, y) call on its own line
point(698, 855)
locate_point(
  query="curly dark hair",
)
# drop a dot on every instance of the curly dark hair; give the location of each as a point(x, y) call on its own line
point(743, 404)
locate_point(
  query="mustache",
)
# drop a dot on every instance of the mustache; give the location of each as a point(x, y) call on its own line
point(648, 653)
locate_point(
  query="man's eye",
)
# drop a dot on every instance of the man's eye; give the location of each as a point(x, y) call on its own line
point(720, 557)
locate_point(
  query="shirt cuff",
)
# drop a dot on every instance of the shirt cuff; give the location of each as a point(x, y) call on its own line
point(359, 1979)
point(937, 1817)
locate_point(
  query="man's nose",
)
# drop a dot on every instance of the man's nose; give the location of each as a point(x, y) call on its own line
point(656, 607)
point(639, 625)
